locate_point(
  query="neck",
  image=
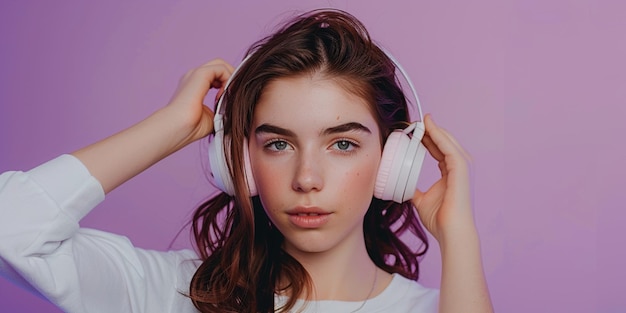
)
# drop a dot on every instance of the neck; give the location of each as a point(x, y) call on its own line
point(344, 273)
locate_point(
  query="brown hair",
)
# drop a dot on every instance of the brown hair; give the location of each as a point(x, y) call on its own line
point(242, 252)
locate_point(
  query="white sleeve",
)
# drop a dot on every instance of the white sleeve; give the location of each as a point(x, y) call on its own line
point(42, 247)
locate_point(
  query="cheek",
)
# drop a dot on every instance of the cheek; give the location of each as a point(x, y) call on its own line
point(369, 169)
point(265, 181)
point(270, 182)
point(361, 178)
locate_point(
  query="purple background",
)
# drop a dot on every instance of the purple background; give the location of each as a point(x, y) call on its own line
point(534, 90)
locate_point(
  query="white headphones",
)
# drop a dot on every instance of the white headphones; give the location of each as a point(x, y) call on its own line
point(399, 167)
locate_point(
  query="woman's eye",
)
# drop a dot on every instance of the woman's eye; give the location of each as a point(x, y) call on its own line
point(344, 145)
point(277, 145)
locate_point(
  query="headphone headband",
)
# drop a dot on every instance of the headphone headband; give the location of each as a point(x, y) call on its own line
point(407, 79)
point(218, 124)
point(218, 108)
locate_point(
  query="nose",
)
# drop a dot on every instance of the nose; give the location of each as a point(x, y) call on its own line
point(308, 176)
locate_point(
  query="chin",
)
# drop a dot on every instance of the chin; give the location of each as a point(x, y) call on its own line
point(308, 245)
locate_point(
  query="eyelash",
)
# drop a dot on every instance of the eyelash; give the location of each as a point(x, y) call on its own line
point(271, 145)
point(351, 148)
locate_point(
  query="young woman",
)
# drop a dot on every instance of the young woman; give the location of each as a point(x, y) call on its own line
point(306, 117)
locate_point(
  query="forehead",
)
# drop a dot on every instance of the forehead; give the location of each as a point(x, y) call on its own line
point(311, 99)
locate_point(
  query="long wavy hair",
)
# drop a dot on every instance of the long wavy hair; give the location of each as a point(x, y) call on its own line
point(243, 259)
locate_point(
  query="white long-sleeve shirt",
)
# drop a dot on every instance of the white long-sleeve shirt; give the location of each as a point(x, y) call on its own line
point(43, 249)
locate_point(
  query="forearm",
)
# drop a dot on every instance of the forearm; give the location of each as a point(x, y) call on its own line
point(116, 159)
point(463, 284)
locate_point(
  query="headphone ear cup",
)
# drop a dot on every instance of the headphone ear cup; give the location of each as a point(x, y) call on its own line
point(219, 168)
point(414, 173)
point(399, 168)
point(387, 176)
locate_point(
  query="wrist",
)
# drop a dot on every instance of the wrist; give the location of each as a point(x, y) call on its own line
point(453, 237)
point(178, 129)
point(188, 125)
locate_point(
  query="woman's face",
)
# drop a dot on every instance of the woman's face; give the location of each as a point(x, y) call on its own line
point(314, 151)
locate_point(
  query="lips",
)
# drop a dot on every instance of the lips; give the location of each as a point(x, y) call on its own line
point(311, 217)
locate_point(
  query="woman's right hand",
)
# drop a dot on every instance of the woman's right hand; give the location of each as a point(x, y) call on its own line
point(114, 160)
point(192, 89)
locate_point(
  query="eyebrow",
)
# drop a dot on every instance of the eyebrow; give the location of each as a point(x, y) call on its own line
point(269, 128)
point(347, 127)
point(343, 128)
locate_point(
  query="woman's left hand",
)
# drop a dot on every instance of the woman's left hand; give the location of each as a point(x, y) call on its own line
point(446, 206)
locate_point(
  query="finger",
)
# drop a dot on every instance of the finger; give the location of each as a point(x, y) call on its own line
point(444, 142)
point(201, 79)
point(458, 146)
point(469, 161)
point(220, 91)
point(432, 148)
point(218, 84)
point(418, 196)
point(219, 61)
point(435, 153)
point(211, 66)
point(440, 138)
